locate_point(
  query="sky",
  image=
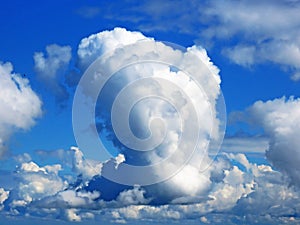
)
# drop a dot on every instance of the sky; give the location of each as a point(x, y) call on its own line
point(150, 112)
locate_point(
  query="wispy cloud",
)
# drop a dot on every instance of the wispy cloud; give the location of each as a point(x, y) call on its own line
point(251, 32)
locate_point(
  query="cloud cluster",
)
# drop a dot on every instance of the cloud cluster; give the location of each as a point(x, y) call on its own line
point(280, 119)
point(234, 195)
point(228, 191)
point(260, 41)
point(19, 104)
point(75, 188)
point(255, 32)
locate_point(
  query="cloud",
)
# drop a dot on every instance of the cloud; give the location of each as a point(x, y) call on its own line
point(20, 105)
point(246, 27)
point(281, 122)
point(72, 215)
point(86, 168)
point(38, 182)
point(296, 76)
point(242, 55)
point(43, 191)
point(3, 197)
point(230, 190)
point(51, 67)
point(252, 23)
point(245, 144)
point(119, 47)
point(96, 45)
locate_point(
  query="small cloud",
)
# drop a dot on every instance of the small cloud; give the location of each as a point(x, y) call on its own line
point(296, 76)
point(242, 55)
point(51, 67)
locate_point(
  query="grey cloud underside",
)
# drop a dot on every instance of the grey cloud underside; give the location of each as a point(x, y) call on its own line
point(234, 195)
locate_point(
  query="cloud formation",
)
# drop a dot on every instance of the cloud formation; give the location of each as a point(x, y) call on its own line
point(234, 195)
point(228, 191)
point(159, 101)
point(51, 67)
point(19, 104)
point(247, 27)
point(280, 119)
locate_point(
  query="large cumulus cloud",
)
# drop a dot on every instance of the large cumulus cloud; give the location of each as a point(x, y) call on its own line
point(114, 52)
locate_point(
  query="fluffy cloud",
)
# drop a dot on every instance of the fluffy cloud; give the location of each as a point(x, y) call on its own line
point(51, 67)
point(37, 182)
point(87, 168)
point(3, 197)
point(20, 105)
point(233, 196)
point(239, 192)
point(94, 46)
point(280, 119)
point(185, 102)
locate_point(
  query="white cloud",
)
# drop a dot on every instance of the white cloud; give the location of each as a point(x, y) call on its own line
point(33, 167)
point(96, 45)
point(85, 167)
point(49, 68)
point(231, 184)
point(255, 31)
point(20, 105)
point(133, 196)
point(203, 219)
point(256, 191)
point(120, 158)
point(296, 76)
point(3, 197)
point(37, 182)
point(252, 24)
point(242, 55)
point(57, 57)
point(72, 215)
point(280, 119)
point(120, 47)
point(77, 199)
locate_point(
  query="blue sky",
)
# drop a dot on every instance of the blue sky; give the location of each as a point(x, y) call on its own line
point(255, 47)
